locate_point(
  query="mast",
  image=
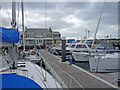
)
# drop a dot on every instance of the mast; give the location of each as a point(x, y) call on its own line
point(23, 26)
point(98, 24)
point(13, 24)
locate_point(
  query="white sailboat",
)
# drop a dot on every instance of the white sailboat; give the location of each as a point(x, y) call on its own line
point(107, 63)
point(21, 74)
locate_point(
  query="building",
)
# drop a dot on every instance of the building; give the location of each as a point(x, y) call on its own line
point(40, 37)
point(56, 37)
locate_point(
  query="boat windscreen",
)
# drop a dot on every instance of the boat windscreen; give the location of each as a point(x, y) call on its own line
point(73, 46)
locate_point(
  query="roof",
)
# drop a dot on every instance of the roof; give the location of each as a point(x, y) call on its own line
point(37, 29)
point(56, 32)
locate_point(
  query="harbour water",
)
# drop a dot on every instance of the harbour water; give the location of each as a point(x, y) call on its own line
point(84, 65)
point(110, 77)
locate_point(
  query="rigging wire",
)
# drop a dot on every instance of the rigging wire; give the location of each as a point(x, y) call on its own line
point(0, 13)
point(45, 27)
point(26, 18)
point(46, 14)
point(46, 40)
point(1, 5)
point(18, 14)
point(39, 75)
point(7, 12)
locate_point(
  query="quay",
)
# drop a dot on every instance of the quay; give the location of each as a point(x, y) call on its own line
point(73, 76)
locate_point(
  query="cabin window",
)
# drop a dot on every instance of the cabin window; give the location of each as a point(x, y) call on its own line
point(67, 45)
point(102, 46)
point(81, 46)
point(84, 46)
point(73, 46)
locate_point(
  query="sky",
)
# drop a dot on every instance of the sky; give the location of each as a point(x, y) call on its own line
point(71, 19)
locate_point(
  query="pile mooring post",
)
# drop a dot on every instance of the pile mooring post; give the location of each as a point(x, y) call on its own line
point(63, 49)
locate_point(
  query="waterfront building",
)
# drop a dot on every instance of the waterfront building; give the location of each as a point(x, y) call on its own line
point(40, 37)
point(56, 37)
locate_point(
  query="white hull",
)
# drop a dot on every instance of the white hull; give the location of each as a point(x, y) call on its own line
point(108, 63)
point(35, 73)
point(31, 71)
point(78, 56)
point(38, 74)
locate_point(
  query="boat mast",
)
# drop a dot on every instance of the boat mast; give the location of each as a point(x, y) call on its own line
point(23, 26)
point(13, 14)
point(98, 24)
point(13, 24)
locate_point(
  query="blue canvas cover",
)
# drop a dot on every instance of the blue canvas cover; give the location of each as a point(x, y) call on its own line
point(17, 81)
point(9, 35)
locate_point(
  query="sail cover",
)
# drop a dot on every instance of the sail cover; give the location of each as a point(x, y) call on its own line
point(14, 81)
point(9, 35)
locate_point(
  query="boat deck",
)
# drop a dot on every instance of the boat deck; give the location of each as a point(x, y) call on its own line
point(73, 76)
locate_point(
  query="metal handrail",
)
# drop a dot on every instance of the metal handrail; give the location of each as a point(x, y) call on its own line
point(49, 65)
point(50, 69)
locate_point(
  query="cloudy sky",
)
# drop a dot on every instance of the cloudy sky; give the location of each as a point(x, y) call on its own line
point(71, 19)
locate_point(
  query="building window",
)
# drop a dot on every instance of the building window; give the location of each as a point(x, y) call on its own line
point(39, 42)
point(35, 33)
point(29, 34)
point(47, 35)
point(42, 33)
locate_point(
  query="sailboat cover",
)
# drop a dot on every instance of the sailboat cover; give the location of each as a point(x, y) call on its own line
point(9, 35)
point(17, 81)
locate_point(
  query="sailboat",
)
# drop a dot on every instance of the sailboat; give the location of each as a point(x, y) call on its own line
point(20, 74)
point(107, 62)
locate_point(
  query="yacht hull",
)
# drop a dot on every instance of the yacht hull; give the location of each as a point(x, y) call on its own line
point(78, 56)
point(104, 64)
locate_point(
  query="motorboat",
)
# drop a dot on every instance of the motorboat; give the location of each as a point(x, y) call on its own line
point(58, 50)
point(81, 52)
point(105, 47)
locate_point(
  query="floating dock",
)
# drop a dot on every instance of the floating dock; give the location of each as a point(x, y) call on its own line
point(74, 76)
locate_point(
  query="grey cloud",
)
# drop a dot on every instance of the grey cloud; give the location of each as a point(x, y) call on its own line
point(88, 12)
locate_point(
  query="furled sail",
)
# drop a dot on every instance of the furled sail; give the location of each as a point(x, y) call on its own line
point(9, 35)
